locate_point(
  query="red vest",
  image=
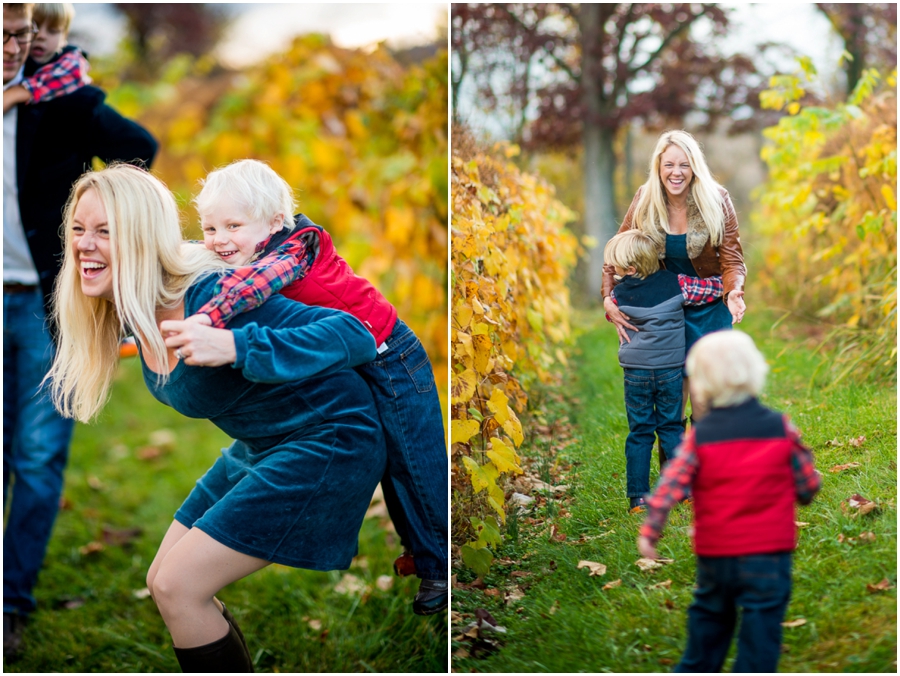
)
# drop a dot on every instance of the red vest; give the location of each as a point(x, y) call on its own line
point(332, 283)
point(744, 496)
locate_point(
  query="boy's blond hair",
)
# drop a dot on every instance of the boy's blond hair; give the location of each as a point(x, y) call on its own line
point(254, 186)
point(632, 248)
point(58, 15)
point(725, 369)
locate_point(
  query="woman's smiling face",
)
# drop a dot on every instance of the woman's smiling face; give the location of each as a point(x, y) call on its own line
point(675, 171)
point(91, 246)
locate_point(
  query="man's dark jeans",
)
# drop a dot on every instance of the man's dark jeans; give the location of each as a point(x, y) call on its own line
point(760, 585)
point(653, 405)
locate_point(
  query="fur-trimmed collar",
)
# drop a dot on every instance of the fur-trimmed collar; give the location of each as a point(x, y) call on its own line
point(697, 232)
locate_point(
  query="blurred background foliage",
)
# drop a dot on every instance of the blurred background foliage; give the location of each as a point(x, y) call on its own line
point(360, 134)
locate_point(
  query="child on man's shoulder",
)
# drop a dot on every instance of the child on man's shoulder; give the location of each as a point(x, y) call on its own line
point(53, 68)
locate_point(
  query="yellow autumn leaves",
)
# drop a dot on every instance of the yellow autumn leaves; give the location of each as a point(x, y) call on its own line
point(510, 256)
point(829, 214)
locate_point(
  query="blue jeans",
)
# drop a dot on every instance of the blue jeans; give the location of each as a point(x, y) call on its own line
point(35, 448)
point(415, 482)
point(653, 405)
point(760, 585)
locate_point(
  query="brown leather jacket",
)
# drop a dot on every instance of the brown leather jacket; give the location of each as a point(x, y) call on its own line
point(726, 260)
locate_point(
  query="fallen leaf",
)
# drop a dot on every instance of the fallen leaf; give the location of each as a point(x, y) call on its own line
point(95, 483)
point(315, 625)
point(834, 442)
point(661, 585)
point(520, 573)
point(384, 582)
point(164, 438)
point(612, 585)
point(148, 452)
point(595, 568)
point(141, 593)
point(91, 548)
point(868, 537)
point(841, 537)
point(70, 603)
point(884, 585)
point(484, 617)
point(859, 441)
point(651, 564)
point(861, 504)
point(455, 617)
point(647, 648)
point(350, 584)
point(794, 623)
point(669, 603)
point(121, 536)
point(801, 524)
point(554, 607)
point(515, 595)
point(666, 661)
point(461, 652)
point(492, 592)
point(841, 468)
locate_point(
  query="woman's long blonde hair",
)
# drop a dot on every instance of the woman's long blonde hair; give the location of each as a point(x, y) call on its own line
point(151, 270)
point(650, 214)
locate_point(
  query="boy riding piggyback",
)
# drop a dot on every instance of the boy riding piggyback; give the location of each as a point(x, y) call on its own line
point(245, 210)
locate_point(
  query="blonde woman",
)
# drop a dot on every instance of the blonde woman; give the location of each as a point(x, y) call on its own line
point(692, 223)
point(294, 487)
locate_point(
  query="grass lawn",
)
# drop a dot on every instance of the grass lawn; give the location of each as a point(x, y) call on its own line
point(560, 619)
point(94, 617)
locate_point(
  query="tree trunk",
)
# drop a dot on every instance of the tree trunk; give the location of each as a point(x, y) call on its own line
point(599, 198)
point(599, 157)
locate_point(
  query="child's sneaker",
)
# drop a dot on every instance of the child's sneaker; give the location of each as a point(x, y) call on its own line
point(636, 505)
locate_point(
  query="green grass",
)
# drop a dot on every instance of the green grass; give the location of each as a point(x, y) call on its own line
point(89, 619)
point(567, 623)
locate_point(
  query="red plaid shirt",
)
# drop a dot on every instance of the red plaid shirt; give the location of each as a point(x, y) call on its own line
point(65, 75)
point(678, 477)
point(248, 287)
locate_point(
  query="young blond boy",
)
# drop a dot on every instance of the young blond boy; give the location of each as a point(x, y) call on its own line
point(654, 300)
point(745, 467)
point(245, 211)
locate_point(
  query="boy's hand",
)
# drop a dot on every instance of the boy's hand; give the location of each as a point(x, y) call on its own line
point(646, 548)
point(201, 319)
point(15, 95)
point(199, 345)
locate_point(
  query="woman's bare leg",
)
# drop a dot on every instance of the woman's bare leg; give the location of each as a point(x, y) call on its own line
point(186, 580)
point(174, 534)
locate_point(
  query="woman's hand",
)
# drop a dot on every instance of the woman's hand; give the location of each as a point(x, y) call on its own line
point(646, 548)
point(619, 319)
point(736, 306)
point(199, 344)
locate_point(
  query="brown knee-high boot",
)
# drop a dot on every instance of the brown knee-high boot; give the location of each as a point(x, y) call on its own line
point(228, 655)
